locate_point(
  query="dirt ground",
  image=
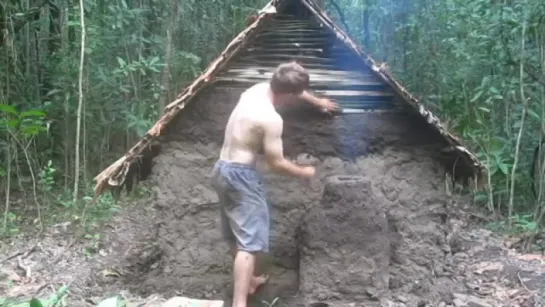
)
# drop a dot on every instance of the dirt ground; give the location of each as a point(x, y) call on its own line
point(375, 227)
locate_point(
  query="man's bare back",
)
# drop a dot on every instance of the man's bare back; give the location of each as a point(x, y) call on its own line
point(253, 125)
point(244, 131)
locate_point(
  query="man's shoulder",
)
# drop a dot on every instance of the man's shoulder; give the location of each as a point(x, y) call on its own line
point(271, 120)
point(256, 89)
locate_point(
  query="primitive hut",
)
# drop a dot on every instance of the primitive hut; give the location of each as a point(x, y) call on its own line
point(400, 151)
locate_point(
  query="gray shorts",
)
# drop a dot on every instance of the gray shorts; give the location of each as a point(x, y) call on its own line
point(244, 210)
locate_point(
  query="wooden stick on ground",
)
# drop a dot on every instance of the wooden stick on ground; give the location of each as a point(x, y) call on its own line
point(19, 253)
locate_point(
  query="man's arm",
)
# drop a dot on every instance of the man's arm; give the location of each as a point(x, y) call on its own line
point(274, 152)
point(322, 103)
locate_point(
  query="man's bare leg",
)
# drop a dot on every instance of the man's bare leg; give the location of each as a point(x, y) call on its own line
point(255, 281)
point(243, 268)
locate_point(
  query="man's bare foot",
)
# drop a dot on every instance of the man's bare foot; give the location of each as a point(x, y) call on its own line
point(256, 282)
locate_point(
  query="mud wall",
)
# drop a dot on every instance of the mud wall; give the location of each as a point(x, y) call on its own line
point(306, 130)
point(396, 153)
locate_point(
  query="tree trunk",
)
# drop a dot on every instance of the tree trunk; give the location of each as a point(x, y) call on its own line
point(366, 31)
point(165, 95)
point(80, 103)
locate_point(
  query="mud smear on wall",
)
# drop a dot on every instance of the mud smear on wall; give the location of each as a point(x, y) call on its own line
point(326, 246)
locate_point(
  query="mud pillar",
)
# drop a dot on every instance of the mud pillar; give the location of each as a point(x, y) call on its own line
point(344, 247)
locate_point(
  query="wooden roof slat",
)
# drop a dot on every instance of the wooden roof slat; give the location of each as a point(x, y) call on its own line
point(265, 44)
point(311, 71)
point(373, 107)
point(275, 19)
point(277, 50)
point(313, 77)
point(365, 103)
point(314, 74)
point(313, 83)
point(293, 36)
point(362, 99)
point(354, 93)
point(270, 45)
point(314, 87)
point(295, 27)
point(282, 16)
point(332, 54)
point(366, 111)
point(283, 57)
point(247, 61)
point(284, 48)
point(288, 30)
point(301, 39)
point(376, 106)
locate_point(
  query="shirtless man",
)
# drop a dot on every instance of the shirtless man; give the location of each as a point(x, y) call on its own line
point(253, 125)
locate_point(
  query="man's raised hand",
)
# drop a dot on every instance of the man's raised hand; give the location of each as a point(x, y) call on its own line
point(308, 171)
point(329, 105)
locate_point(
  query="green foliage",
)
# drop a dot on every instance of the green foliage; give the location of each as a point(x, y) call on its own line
point(517, 224)
point(12, 225)
point(47, 176)
point(272, 303)
point(35, 303)
point(463, 57)
point(124, 86)
point(24, 124)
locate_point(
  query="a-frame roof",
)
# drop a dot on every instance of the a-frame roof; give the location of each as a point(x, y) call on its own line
point(114, 175)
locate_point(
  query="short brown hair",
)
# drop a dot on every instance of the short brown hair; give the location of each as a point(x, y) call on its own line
point(289, 78)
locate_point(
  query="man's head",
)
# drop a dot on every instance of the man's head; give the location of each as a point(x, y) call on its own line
point(289, 79)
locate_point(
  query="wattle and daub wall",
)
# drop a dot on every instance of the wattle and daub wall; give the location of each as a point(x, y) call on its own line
point(394, 152)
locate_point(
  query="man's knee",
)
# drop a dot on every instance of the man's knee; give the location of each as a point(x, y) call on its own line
point(234, 248)
point(245, 256)
point(255, 244)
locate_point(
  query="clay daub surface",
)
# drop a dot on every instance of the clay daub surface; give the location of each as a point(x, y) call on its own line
point(387, 235)
point(187, 254)
point(350, 233)
point(386, 241)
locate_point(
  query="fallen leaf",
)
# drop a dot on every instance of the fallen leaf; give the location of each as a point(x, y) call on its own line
point(487, 266)
point(110, 273)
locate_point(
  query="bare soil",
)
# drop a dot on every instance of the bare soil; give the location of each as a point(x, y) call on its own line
point(375, 227)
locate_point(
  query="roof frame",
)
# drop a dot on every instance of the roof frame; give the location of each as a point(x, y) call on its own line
point(115, 174)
